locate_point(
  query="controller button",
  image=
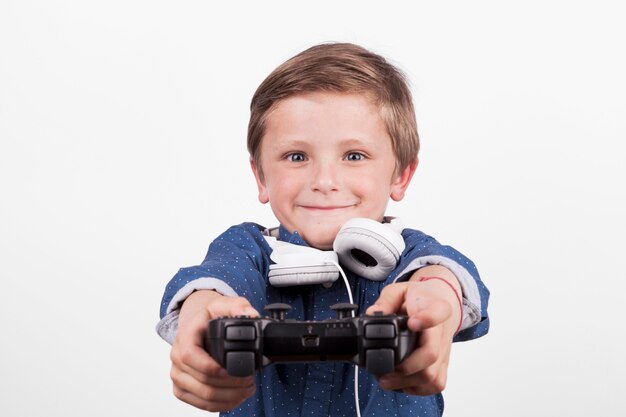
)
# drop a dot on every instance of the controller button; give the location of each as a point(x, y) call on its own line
point(240, 363)
point(379, 361)
point(240, 333)
point(380, 331)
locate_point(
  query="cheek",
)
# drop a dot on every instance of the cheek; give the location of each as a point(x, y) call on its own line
point(370, 185)
point(284, 185)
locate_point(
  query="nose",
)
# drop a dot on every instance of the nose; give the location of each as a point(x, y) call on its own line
point(325, 176)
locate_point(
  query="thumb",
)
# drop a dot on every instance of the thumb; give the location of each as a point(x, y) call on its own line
point(390, 300)
point(231, 307)
point(425, 311)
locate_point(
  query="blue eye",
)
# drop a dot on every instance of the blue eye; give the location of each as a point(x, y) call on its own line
point(296, 157)
point(355, 156)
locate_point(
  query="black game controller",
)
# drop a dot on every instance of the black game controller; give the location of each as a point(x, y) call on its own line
point(375, 342)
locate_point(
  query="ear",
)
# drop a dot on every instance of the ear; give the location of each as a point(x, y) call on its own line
point(260, 183)
point(402, 181)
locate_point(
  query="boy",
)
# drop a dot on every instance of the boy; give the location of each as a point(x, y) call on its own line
point(332, 136)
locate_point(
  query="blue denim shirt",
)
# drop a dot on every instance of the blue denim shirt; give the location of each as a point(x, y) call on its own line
point(238, 262)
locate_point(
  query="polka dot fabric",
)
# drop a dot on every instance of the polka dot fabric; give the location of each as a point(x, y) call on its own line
point(240, 258)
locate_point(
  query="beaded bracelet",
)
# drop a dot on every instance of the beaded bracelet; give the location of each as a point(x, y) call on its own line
point(455, 293)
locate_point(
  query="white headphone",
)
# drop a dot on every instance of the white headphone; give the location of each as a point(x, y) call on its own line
point(368, 248)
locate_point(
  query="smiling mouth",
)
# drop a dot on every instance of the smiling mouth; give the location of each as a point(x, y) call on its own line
point(327, 208)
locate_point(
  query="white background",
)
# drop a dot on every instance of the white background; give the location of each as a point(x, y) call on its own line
point(122, 154)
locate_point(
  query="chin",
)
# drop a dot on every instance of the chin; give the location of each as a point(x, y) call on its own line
point(319, 243)
point(322, 239)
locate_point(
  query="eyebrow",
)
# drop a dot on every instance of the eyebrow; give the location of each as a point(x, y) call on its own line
point(356, 141)
point(289, 143)
point(295, 142)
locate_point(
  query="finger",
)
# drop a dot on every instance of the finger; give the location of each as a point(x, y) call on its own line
point(430, 381)
point(424, 372)
point(221, 379)
point(209, 392)
point(222, 401)
point(429, 351)
point(390, 300)
point(231, 307)
point(214, 374)
point(188, 351)
point(194, 359)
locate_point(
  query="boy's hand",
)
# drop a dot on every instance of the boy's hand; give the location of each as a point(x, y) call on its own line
point(433, 310)
point(198, 379)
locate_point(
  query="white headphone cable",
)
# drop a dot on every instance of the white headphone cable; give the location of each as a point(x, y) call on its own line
point(356, 368)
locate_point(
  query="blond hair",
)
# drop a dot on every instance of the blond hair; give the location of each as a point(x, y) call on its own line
point(341, 68)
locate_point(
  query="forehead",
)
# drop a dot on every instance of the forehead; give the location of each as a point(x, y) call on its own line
point(327, 99)
point(338, 114)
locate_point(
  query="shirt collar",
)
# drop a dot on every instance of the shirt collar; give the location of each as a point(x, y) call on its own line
point(285, 235)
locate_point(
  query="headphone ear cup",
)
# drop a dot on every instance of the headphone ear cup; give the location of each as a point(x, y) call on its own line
point(369, 248)
point(301, 265)
point(308, 275)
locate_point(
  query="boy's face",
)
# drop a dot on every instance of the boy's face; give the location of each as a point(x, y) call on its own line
point(327, 158)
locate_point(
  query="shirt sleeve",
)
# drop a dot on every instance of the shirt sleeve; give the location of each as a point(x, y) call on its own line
point(236, 265)
point(422, 250)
